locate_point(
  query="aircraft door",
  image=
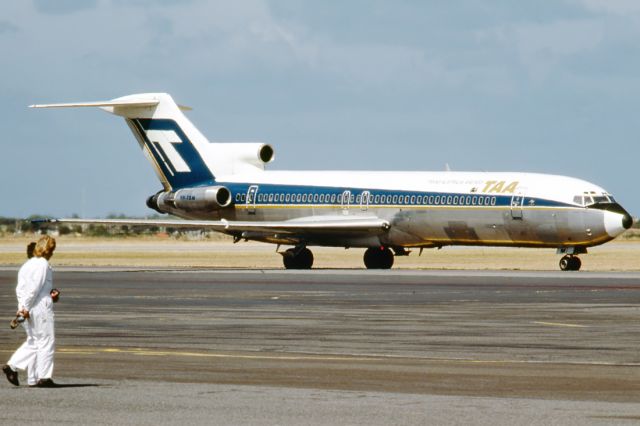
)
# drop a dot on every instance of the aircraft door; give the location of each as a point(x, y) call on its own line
point(516, 206)
point(345, 201)
point(252, 195)
point(364, 200)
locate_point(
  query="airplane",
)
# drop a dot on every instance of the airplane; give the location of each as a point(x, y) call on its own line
point(224, 187)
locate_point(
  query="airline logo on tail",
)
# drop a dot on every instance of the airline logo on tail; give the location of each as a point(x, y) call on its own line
point(162, 142)
point(176, 157)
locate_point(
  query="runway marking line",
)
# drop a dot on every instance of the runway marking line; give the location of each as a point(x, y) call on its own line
point(559, 324)
point(311, 357)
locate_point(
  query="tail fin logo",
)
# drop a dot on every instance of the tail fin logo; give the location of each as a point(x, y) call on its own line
point(162, 141)
point(176, 159)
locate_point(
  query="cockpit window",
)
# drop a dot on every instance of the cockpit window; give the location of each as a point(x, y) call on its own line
point(590, 198)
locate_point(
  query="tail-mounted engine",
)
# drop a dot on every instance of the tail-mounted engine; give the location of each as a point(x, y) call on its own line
point(203, 199)
point(234, 158)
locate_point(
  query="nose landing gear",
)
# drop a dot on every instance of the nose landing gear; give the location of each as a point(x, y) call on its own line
point(570, 263)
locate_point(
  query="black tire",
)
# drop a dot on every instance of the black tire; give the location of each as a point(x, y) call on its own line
point(302, 260)
point(305, 259)
point(378, 258)
point(570, 263)
point(288, 259)
point(576, 263)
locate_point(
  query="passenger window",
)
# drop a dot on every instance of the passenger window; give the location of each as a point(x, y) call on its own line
point(333, 198)
point(394, 200)
point(298, 198)
point(287, 198)
point(493, 201)
point(455, 200)
point(358, 198)
point(271, 198)
point(413, 199)
point(259, 198)
point(449, 200)
point(474, 200)
point(467, 200)
point(430, 199)
point(243, 198)
point(376, 199)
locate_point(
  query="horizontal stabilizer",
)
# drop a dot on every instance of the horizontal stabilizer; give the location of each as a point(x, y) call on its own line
point(116, 103)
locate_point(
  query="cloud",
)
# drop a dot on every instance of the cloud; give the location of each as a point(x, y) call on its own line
point(58, 7)
point(541, 48)
point(7, 27)
point(624, 8)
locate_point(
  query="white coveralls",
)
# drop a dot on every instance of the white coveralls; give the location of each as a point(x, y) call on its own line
point(35, 282)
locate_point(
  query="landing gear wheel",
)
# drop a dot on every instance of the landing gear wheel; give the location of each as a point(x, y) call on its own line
point(297, 259)
point(378, 258)
point(570, 263)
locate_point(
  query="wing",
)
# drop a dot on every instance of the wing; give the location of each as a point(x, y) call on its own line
point(293, 230)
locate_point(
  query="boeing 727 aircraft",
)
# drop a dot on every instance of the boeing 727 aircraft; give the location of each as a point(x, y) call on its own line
point(225, 187)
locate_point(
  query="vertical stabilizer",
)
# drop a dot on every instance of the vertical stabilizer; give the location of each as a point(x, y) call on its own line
point(172, 144)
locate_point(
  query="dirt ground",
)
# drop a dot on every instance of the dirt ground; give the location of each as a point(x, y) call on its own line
point(622, 254)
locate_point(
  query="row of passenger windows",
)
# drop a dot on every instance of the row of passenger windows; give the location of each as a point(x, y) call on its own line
point(456, 200)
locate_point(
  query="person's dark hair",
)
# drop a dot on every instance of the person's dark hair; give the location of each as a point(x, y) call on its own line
point(30, 248)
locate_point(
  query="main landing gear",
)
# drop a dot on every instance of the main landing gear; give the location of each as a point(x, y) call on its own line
point(297, 258)
point(378, 258)
point(302, 258)
point(570, 263)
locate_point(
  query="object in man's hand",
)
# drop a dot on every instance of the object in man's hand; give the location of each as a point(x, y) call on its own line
point(55, 295)
point(16, 321)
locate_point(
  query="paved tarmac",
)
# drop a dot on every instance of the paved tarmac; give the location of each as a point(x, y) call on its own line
point(336, 347)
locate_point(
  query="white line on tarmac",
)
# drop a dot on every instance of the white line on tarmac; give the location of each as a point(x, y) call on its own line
point(332, 357)
point(559, 324)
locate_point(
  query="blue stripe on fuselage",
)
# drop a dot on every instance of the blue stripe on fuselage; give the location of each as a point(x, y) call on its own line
point(273, 194)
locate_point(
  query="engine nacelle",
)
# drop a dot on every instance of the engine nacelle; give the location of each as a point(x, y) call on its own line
point(231, 158)
point(201, 199)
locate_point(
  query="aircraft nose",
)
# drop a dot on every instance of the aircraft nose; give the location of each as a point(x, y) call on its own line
point(616, 223)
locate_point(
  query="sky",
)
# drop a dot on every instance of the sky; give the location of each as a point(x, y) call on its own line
point(545, 86)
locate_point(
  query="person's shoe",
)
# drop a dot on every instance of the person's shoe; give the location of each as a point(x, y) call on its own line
point(12, 376)
point(45, 383)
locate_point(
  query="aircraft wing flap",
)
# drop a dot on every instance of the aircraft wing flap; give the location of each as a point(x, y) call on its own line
point(329, 224)
point(314, 225)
